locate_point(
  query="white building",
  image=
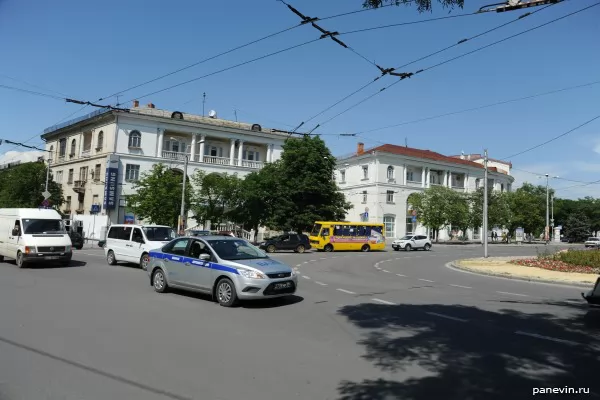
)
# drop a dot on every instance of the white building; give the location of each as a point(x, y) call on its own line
point(378, 182)
point(97, 157)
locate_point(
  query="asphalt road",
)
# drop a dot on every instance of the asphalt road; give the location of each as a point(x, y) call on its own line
point(362, 326)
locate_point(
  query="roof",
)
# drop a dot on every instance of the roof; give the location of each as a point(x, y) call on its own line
point(479, 157)
point(418, 153)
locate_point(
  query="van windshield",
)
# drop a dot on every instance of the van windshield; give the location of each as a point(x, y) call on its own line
point(315, 230)
point(41, 226)
point(159, 233)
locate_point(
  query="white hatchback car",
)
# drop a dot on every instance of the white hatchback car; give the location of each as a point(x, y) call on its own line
point(132, 243)
point(410, 242)
point(592, 242)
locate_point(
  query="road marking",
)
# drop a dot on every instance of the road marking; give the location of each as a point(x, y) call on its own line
point(426, 280)
point(464, 287)
point(323, 258)
point(581, 303)
point(345, 291)
point(385, 270)
point(389, 303)
point(298, 265)
point(95, 255)
point(447, 317)
point(513, 294)
point(320, 283)
point(535, 335)
point(401, 275)
point(305, 277)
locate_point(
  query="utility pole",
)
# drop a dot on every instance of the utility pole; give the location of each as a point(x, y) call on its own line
point(552, 217)
point(203, 102)
point(485, 204)
point(47, 174)
point(182, 212)
point(547, 231)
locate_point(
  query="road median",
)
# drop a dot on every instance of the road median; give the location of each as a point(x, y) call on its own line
point(504, 268)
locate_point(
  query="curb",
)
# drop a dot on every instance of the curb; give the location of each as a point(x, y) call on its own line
point(453, 265)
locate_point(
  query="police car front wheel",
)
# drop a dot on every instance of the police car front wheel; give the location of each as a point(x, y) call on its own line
point(225, 293)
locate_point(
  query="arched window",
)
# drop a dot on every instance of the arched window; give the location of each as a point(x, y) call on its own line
point(73, 147)
point(135, 139)
point(477, 183)
point(390, 172)
point(100, 143)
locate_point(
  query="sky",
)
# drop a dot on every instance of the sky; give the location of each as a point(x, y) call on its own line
point(89, 51)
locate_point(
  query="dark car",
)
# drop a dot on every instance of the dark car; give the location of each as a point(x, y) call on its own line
point(298, 243)
point(76, 239)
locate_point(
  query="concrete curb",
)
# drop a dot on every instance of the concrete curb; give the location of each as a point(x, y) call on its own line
point(453, 265)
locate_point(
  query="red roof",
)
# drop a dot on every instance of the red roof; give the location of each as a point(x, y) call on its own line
point(418, 153)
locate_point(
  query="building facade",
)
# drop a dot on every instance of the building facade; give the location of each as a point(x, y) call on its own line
point(378, 183)
point(98, 157)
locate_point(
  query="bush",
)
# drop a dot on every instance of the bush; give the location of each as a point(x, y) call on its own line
point(588, 258)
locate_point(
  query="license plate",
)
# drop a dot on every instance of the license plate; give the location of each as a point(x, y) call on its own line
point(51, 257)
point(284, 285)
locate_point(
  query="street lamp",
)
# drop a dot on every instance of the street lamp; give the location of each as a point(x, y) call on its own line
point(181, 222)
point(547, 230)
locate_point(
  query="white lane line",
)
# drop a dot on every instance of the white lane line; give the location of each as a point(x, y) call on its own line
point(581, 303)
point(323, 258)
point(401, 275)
point(320, 283)
point(461, 286)
point(389, 303)
point(448, 317)
point(298, 265)
point(345, 291)
point(399, 258)
point(513, 294)
point(385, 270)
point(305, 277)
point(535, 335)
point(95, 255)
point(426, 280)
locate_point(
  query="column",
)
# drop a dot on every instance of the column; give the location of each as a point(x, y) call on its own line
point(269, 152)
point(428, 181)
point(449, 178)
point(193, 152)
point(232, 152)
point(424, 176)
point(466, 182)
point(405, 175)
point(202, 140)
point(240, 153)
point(445, 182)
point(161, 134)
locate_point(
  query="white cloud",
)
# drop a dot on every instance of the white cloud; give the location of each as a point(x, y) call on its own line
point(22, 156)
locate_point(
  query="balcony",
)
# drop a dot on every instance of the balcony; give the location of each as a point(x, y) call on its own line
point(173, 155)
point(413, 183)
point(251, 164)
point(79, 186)
point(214, 160)
point(85, 153)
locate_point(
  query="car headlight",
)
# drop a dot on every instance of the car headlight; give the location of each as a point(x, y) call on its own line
point(246, 273)
point(293, 273)
point(67, 249)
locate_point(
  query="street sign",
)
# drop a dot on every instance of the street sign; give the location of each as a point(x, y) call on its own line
point(46, 194)
point(45, 203)
point(129, 219)
point(95, 208)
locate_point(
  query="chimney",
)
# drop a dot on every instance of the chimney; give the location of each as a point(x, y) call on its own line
point(150, 105)
point(136, 103)
point(360, 149)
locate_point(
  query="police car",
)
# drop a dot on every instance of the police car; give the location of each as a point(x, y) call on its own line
point(228, 268)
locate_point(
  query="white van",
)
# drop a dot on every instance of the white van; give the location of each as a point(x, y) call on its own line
point(132, 243)
point(31, 235)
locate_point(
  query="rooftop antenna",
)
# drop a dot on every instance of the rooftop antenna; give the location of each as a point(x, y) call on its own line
point(203, 102)
point(235, 113)
point(405, 142)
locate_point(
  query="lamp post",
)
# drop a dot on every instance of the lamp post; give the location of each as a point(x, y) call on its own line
point(182, 211)
point(547, 230)
point(485, 204)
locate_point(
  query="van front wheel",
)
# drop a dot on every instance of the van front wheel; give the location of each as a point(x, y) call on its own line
point(110, 258)
point(20, 261)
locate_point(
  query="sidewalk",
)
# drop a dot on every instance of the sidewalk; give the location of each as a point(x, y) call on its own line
point(500, 266)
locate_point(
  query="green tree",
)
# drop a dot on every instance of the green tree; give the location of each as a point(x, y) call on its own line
point(307, 191)
point(422, 5)
point(528, 208)
point(433, 207)
point(459, 211)
point(22, 186)
point(577, 227)
point(157, 196)
point(499, 212)
point(215, 196)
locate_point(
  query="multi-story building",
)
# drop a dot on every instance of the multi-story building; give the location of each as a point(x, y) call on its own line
point(97, 157)
point(379, 181)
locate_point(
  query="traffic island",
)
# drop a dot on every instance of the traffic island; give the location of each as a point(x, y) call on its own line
point(530, 269)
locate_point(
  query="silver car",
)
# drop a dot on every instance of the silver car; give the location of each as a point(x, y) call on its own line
point(228, 268)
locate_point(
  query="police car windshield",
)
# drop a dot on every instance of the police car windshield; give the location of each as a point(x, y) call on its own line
point(42, 226)
point(236, 250)
point(159, 233)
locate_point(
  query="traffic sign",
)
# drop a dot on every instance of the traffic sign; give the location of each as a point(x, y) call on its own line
point(45, 203)
point(46, 194)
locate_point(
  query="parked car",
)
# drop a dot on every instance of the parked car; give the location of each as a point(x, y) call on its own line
point(410, 242)
point(228, 268)
point(76, 239)
point(132, 243)
point(298, 243)
point(592, 242)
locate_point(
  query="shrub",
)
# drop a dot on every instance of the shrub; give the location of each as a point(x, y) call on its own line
point(587, 258)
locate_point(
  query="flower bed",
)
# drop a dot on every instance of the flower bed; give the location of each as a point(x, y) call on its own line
point(581, 261)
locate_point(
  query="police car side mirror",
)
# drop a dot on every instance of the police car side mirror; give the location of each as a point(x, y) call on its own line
point(205, 257)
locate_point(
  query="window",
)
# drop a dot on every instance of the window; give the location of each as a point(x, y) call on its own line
point(100, 143)
point(135, 139)
point(390, 172)
point(251, 155)
point(73, 147)
point(389, 223)
point(68, 203)
point(83, 172)
point(390, 196)
point(137, 236)
point(365, 169)
point(477, 183)
point(124, 232)
point(502, 187)
point(342, 176)
point(362, 231)
point(51, 153)
point(97, 172)
point(213, 151)
point(59, 177)
point(410, 176)
point(62, 147)
point(95, 199)
point(80, 204)
point(132, 172)
point(70, 180)
point(197, 248)
point(364, 195)
point(176, 247)
point(159, 233)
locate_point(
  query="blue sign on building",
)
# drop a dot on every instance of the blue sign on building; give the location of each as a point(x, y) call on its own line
point(110, 188)
point(95, 209)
